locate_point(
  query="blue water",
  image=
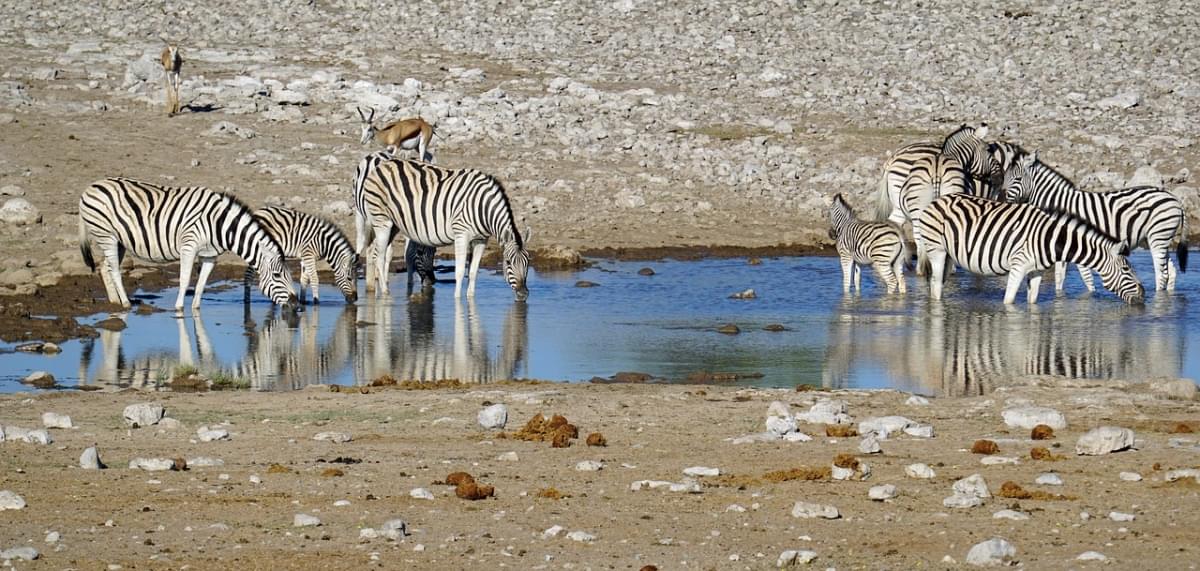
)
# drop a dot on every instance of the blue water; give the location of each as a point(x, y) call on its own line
point(663, 325)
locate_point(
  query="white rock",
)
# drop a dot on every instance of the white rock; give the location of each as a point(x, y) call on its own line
point(204, 462)
point(553, 531)
point(686, 487)
point(1049, 479)
point(143, 414)
point(1183, 389)
point(919, 430)
point(780, 425)
point(917, 400)
point(38, 378)
point(368, 533)
point(508, 457)
point(1120, 101)
point(701, 471)
point(581, 536)
point(53, 537)
point(9, 500)
point(795, 557)
point(339, 437)
point(1028, 417)
point(841, 474)
point(883, 427)
point(341, 503)
point(1104, 440)
point(797, 437)
point(869, 445)
point(1010, 514)
point(152, 464)
point(735, 508)
point(493, 417)
point(19, 212)
point(973, 485)
point(589, 466)
point(205, 434)
point(305, 520)
point(778, 408)
point(920, 471)
point(421, 494)
point(55, 420)
point(168, 423)
point(27, 553)
point(810, 511)
point(881, 493)
point(1130, 476)
point(995, 551)
point(962, 501)
point(290, 97)
point(1091, 556)
point(825, 411)
point(1121, 517)
point(996, 460)
point(1173, 475)
point(759, 437)
point(35, 436)
point(394, 529)
point(90, 459)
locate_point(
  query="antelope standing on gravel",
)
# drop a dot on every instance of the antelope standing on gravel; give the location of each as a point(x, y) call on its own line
point(407, 134)
point(172, 63)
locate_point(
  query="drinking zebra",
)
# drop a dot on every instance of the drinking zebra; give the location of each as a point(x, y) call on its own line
point(164, 224)
point(965, 147)
point(1146, 216)
point(859, 243)
point(309, 239)
point(434, 206)
point(417, 257)
point(996, 238)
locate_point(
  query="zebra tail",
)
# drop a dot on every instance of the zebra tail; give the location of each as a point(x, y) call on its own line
point(883, 202)
point(1181, 251)
point(85, 246)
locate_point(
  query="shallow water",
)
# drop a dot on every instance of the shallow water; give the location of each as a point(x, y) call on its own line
point(662, 324)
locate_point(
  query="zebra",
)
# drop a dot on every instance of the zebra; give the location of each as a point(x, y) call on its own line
point(1146, 216)
point(993, 238)
point(163, 224)
point(418, 258)
point(860, 243)
point(1004, 155)
point(965, 145)
point(434, 206)
point(930, 177)
point(310, 238)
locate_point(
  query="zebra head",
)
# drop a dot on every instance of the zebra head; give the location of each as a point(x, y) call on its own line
point(1117, 275)
point(368, 125)
point(345, 274)
point(840, 214)
point(274, 279)
point(516, 261)
point(967, 145)
point(1004, 155)
point(1017, 184)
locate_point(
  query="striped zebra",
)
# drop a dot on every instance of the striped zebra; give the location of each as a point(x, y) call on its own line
point(995, 238)
point(1004, 155)
point(1146, 216)
point(310, 238)
point(859, 243)
point(418, 258)
point(434, 206)
point(930, 177)
point(965, 147)
point(164, 224)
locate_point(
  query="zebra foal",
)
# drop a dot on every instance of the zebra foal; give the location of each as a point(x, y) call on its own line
point(859, 243)
point(996, 238)
point(310, 238)
point(1146, 216)
point(164, 224)
point(434, 206)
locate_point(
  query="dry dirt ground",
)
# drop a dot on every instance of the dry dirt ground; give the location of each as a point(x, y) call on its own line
point(216, 518)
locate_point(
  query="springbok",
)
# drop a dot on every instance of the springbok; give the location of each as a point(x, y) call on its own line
point(407, 134)
point(172, 63)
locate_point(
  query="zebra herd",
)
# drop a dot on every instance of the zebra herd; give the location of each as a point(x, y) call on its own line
point(993, 209)
point(431, 206)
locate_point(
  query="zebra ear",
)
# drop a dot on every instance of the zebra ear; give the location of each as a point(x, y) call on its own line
point(982, 131)
point(1029, 160)
point(528, 235)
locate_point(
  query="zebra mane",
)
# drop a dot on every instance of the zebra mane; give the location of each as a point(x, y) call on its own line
point(1038, 168)
point(962, 131)
point(1078, 221)
point(512, 221)
point(248, 212)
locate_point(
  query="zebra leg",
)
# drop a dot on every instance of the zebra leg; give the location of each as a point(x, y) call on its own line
point(886, 276)
point(106, 274)
point(113, 259)
point(1085, 274)
point(410, 263)
point(476, 255)
point(382, 257)
point(1060, 276)
point(247, 279)
point(898, 271)
point(847, 273)
point(206, 266)
point(1162, 266)
point(461, 247)
point(858, 269)
point(1015, 279)
point(1035, 282)
point(185, 275)
point(309, 267)
point(937, 260)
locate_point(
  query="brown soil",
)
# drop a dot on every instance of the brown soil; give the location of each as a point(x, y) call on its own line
point(652, 434)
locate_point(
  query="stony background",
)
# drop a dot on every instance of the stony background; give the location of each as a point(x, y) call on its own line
point(626, 123)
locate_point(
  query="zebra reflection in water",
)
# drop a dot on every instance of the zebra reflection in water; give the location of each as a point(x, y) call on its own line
point(966, 350)
point(410, 350)
point(149, 370)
